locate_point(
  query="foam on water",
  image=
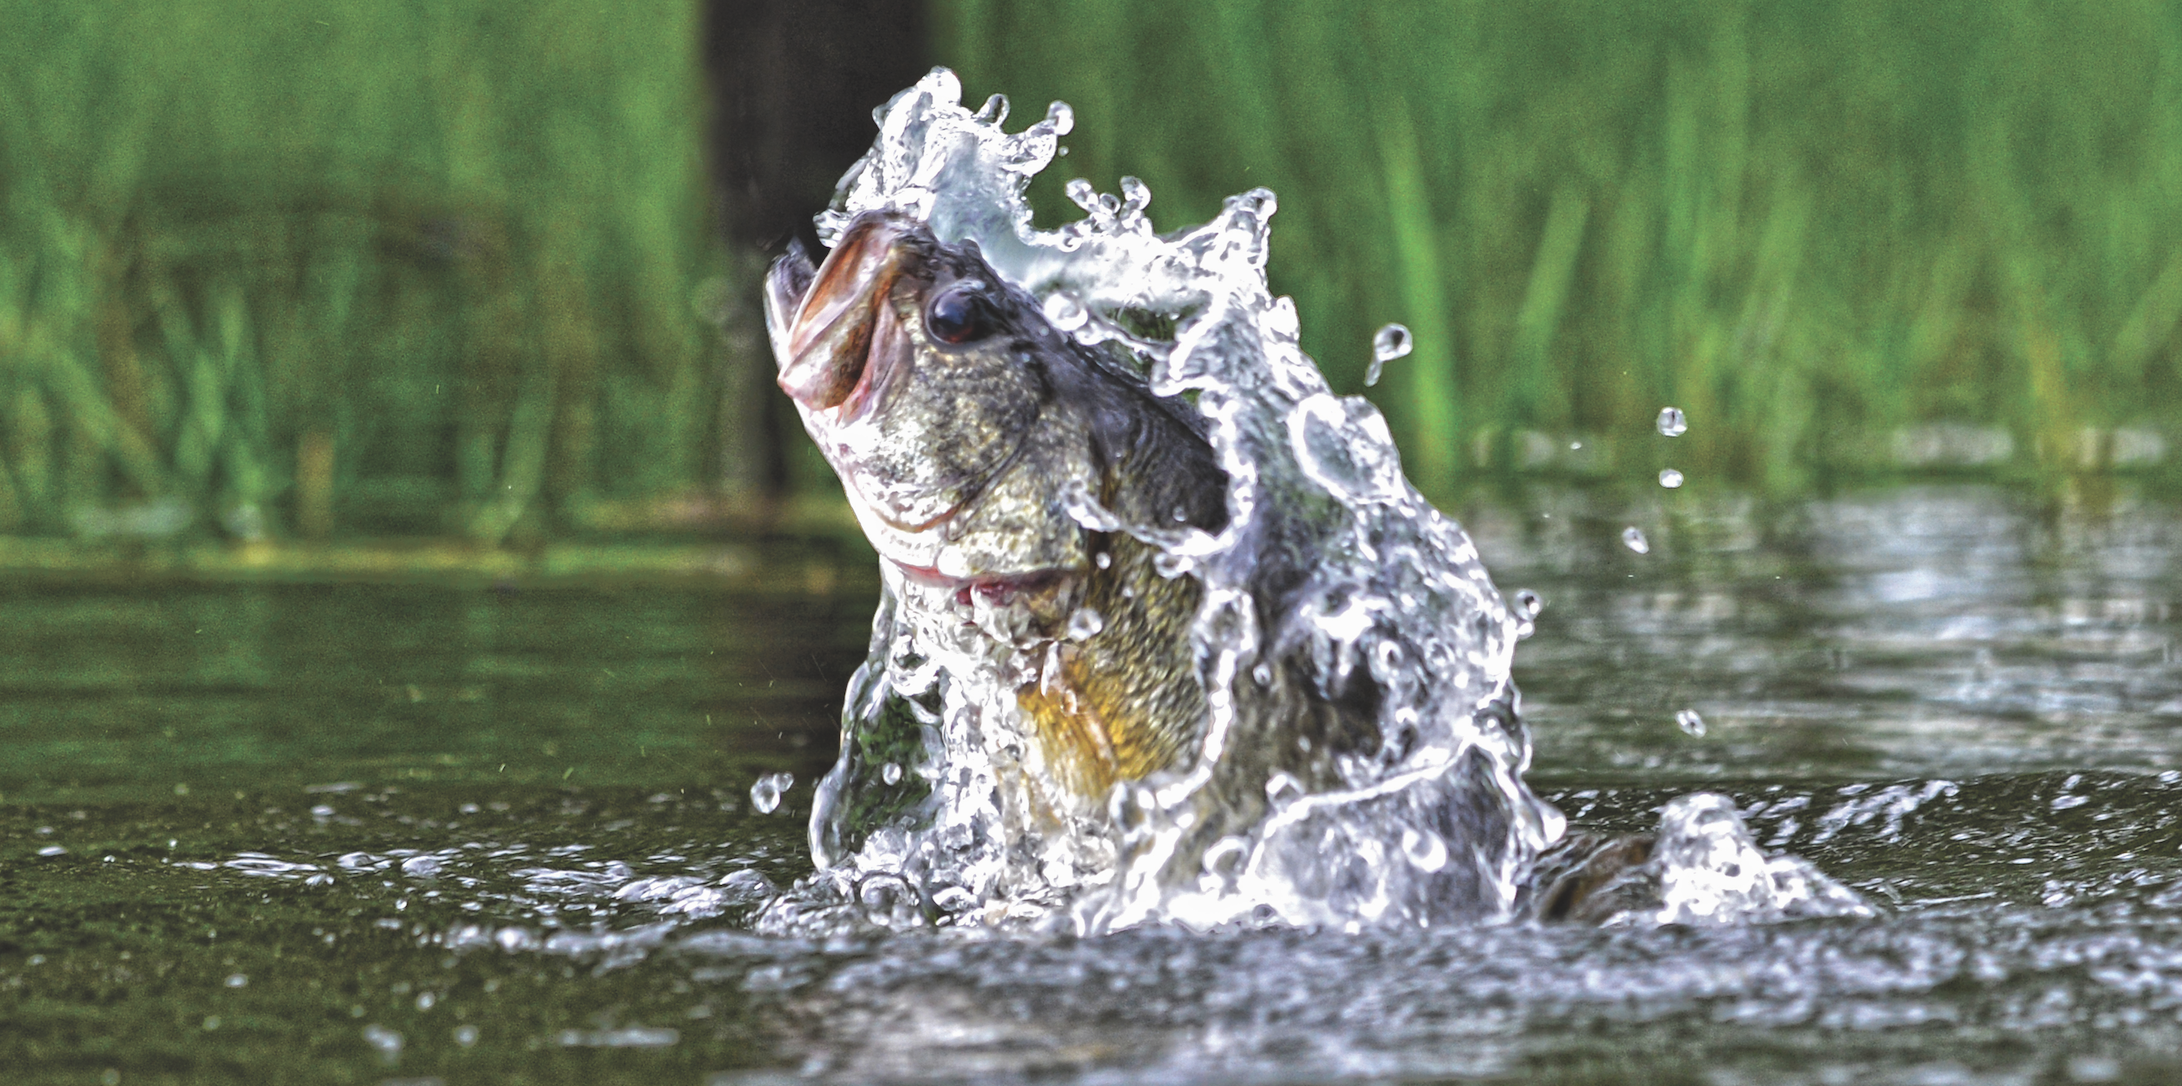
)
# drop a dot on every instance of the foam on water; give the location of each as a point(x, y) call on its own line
point(1331, 568)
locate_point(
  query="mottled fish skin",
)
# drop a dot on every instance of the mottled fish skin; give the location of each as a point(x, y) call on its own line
point(958, 438)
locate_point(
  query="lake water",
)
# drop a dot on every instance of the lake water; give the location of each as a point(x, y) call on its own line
point(475, 832)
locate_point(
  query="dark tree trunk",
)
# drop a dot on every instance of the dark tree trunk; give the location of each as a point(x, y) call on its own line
point(793, 84)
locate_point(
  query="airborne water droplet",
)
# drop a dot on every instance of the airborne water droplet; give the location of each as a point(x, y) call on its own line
point(1632, 537)
point(1393, 341)
point(1529, 603)
point(1670, 478)
point(1691, 723)
point(765, 794)
point(1104, 560)
point(891, 773)
point(1672, 422)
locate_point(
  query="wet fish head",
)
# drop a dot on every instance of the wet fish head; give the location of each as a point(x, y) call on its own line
point(922, 375)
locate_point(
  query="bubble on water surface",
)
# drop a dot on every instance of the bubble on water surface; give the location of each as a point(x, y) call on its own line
point(1672, 422)
point(1690, 723)
point(1632, 537)
point(1391, 342)
point(765, 794)
point(1670, 478)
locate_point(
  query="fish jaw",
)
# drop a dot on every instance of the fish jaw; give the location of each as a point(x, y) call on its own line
point(826, 323)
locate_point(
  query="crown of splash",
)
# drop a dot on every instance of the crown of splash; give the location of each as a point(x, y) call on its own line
point(965, 177)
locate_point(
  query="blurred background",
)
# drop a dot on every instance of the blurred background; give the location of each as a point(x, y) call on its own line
point(486, 270)
point(391, 470)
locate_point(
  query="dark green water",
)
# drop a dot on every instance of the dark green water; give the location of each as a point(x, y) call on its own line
point(372, 833)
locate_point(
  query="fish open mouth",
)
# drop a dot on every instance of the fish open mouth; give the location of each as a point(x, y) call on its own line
point(836, 335)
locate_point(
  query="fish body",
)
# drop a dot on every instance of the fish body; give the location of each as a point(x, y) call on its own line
point(975, 440)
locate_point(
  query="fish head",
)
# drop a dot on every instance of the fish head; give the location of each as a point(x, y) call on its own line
point(924, 376)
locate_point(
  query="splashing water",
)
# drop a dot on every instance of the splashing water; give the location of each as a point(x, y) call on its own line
point(766, 792)
point(1332, 581)
point(1632, 537)
point(1672, 423)
point(1392, 342)
point(1670, 478)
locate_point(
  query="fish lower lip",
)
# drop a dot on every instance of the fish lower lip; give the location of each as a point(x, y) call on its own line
point(991, 586)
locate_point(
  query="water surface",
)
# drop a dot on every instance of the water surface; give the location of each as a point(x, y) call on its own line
point(367, 832)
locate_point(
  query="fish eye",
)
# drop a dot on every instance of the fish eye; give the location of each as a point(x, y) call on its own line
point(958, 315)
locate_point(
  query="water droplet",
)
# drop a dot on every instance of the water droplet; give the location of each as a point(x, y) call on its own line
point(1103, 560)
point(765, 794)
point(1528, 603)
point(1135, 194)
point(1066, 313)
point(1690, 723)
point(1060, 118)
point(1263, 674)
point(891, 773)
point(386, 1041)
point(1672, 422)
point(1085, 623)
point(1081, 193)
point(884, 892)
point(1426, 851)
point(238, 980)
point(465, 1035)
point(1392, 341)
point(1670, 478)
point(1632, 537)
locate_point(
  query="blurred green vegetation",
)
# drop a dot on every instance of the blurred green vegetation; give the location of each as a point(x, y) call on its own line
point(418, 265)
point(295, 269)
point(1820, 227)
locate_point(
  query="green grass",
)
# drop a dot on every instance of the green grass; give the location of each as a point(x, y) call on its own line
point(304, 267)
point(308, 269)
point(1808, 224)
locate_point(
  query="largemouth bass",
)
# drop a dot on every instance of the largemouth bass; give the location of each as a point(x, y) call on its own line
point(960, 421)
